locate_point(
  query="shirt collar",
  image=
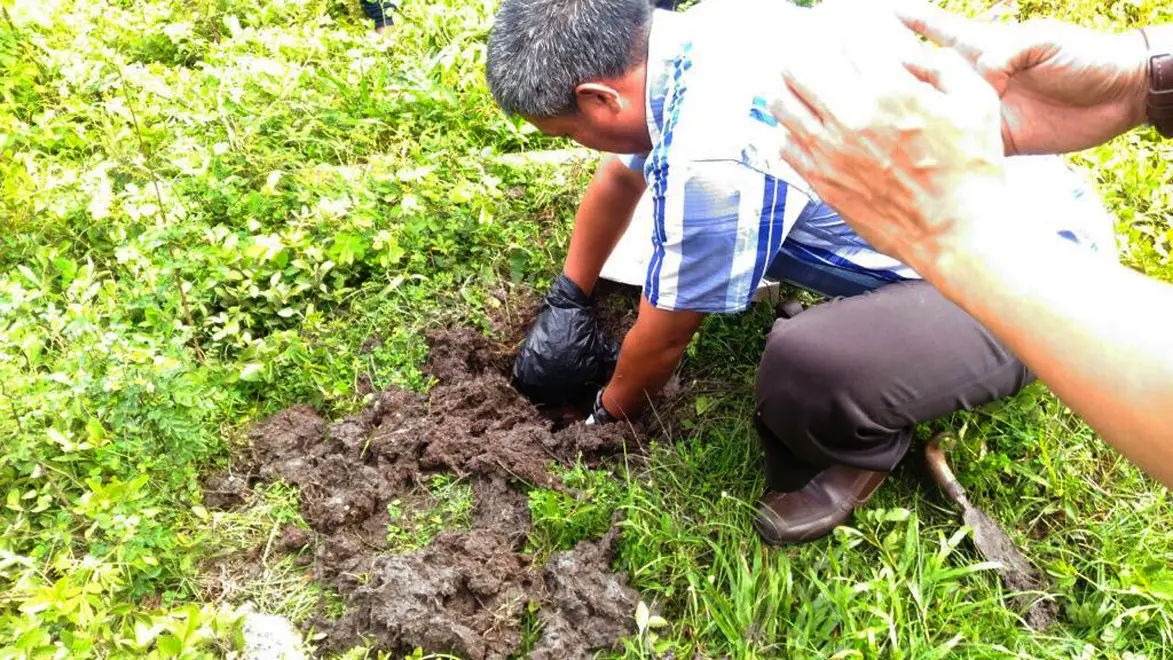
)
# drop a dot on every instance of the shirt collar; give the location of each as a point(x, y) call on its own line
point(665, 39)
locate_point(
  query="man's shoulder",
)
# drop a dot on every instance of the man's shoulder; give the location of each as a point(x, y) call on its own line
point(718, 110)
point(744, 16)
point(706, 119)
point(741, 144)
point(755, 36)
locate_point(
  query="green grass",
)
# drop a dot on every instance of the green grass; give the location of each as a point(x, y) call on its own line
point(561, 520)
point(446, 503)
point(214, 208)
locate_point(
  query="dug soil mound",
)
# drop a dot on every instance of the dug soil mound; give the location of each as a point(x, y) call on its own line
point(467, 591)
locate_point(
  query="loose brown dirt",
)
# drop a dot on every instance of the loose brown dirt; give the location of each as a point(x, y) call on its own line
point(467, 591)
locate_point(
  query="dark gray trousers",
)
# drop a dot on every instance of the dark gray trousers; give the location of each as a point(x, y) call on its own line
point(846, 382)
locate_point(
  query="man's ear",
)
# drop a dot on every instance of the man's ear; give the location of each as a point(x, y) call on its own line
point(593, 97)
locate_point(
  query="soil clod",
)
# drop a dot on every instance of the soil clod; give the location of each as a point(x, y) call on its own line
point(588, 608)
point(225, 490)
point(294, 538)
point(500, 508)
point(464, 594)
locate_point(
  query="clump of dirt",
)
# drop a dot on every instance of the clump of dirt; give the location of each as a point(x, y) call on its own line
point(467, 591)
point(225, 490)
point(589, 609)
point(500, 508)
point(294, 538)
point(458, 355)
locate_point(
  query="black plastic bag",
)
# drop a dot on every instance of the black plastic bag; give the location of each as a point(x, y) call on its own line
point(566, 355)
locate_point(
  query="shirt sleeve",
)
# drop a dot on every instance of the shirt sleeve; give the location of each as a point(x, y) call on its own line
point(633, 162)
point(716, 227)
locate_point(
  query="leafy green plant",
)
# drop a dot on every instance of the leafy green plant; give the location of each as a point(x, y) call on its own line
point(562, 519)
point(216, 208)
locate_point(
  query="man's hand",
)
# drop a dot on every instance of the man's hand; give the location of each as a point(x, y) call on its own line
point(906, 147)
point(566, 352)
point(651, 351)
point(1063, 87)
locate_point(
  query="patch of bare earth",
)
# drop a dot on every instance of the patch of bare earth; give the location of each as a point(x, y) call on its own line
point(466, 592)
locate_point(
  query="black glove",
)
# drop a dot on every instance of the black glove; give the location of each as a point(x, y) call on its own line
point(566, 353)
point(599, 413)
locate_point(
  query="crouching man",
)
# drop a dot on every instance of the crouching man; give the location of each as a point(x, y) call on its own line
point(841, 386)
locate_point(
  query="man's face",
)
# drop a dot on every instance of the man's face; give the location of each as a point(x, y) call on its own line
point(611, 137)
point(608, 119)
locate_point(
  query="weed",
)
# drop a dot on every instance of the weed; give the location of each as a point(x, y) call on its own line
point(446, 504)
point(562, 519)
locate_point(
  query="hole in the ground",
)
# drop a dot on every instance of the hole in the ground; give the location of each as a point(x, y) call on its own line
point(618, 307)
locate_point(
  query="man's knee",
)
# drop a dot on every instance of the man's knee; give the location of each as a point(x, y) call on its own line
point(856, 372)
point(807, 385)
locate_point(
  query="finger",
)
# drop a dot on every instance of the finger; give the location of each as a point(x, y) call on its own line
point(793, 111)
point(800, 127)
point(873, 46)
point(943, 28)
point(879, 44)
point(801, 105)
point(946, 71)
point(1020, 47)
point(811, 166)
point(996, 63)
point(798, 157)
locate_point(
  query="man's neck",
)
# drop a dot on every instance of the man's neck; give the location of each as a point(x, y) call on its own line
point(639, 81)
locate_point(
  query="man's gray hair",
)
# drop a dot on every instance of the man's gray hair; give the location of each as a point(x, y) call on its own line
point(540, 51)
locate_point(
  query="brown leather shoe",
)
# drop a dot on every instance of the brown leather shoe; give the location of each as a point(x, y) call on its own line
point(816, 508)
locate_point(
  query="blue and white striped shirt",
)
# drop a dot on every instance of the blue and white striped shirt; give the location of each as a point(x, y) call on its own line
point(726, 209)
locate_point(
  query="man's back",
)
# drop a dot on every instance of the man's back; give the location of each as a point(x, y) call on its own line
point(728, 210)
point(724, 202)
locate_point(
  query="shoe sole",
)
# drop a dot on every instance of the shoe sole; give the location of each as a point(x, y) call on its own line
point(765, 531)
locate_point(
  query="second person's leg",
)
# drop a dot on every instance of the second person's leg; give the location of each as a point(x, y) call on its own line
point(380, 12)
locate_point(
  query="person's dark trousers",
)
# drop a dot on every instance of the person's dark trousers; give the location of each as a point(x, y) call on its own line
point(379, 12)
point(844, 383)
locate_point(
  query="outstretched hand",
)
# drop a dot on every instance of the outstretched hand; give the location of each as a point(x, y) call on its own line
point(1063, 88)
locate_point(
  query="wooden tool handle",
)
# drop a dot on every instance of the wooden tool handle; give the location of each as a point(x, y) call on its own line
point(935, 458)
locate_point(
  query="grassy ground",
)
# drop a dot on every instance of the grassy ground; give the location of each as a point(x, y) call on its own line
point(211, 206)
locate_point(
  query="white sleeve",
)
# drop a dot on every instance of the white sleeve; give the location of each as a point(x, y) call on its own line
point(634, 162)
